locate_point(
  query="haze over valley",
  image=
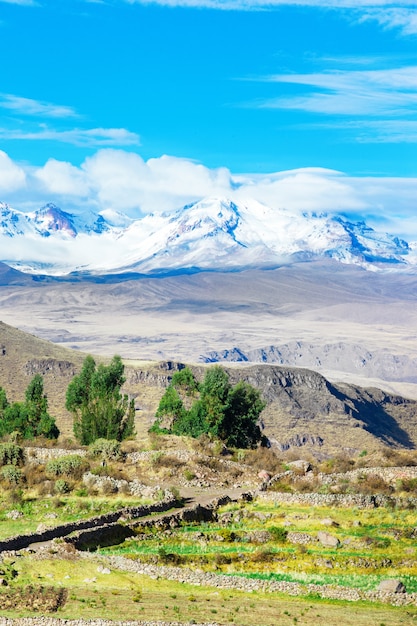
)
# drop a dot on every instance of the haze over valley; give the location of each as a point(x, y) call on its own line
point(341, 320)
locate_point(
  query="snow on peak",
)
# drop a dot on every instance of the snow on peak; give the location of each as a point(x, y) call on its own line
point(213, 233)
point(115, 218)
point(50, 219)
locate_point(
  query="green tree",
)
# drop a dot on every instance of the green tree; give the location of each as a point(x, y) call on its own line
point(30, 418)
point(193, 422)
point(3, 402)
point(229, 413)
point(184, 380)
point(215, 392)
point(239, 427)
point(100, 411)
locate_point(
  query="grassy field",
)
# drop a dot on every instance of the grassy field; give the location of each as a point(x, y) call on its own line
point(253, 540)
point(92, 594)
point(55, 510)
point(375, 544)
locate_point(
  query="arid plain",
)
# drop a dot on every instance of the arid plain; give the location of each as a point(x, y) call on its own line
point(350, 324)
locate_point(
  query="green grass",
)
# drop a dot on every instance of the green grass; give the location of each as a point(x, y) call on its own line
point(358, 563)
point(153, 600)
point(382, 546)
point(67, 509)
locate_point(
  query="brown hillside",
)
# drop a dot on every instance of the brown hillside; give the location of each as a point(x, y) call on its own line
point(304, 410)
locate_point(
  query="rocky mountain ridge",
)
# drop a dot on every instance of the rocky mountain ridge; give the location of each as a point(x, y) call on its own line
point(337, 356)
point(211, 234)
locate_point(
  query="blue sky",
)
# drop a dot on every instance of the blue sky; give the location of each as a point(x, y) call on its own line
point(141, 105)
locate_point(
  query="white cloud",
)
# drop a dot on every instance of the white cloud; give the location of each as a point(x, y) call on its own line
point(123, 181)
point(384, 131)
point(22, 2)
point(28, 106)
point(12, 177)
point(92, 137)
point(400, 14)
point(62, 178)
point(344, 92)
point(308, 189)
point(398, 17)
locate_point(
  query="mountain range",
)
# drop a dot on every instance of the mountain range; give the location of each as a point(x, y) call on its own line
point(212, 234)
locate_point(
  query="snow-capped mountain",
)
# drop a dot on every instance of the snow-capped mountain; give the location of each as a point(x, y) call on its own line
point(48, 220)
point(211, 234)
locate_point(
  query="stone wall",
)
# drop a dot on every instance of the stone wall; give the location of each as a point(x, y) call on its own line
point(43, 455)
point(111, 534)
point(390, 474)
point(221, 581)
point(50, 621)
point(337, 499)
point(23, 541)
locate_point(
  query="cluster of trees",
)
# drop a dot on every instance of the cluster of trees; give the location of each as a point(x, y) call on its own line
point(29, 418)
point(100, 411)
point(212, 407)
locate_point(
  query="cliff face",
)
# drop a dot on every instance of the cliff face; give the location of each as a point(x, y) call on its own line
point(303, 408)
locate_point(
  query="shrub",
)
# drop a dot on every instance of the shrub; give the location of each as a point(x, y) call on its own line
point(167, 460)
point(222, 559)
point(71, 465)
point(262, 556)
point(34, 473)
point(372, 483)
point(170, 557)
point(278, 533)
point(107, 449)
point(264, 459)
point(305, 486)
point(337, 465)
point(11, 474)
point(46, 488)
point(10, 454)
point(400, 458)
point(224, 534)
point(62, 486)
point(188, 474)
point(280, 486)
point(406, 484)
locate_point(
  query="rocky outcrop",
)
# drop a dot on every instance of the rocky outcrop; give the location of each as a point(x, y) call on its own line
point(391, 586)
point(327, 540)
point(157, 376)
point(49, 366)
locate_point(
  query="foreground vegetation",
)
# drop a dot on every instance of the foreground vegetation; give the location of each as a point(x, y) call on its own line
point(279, 542)
point(261, 540)
point(92, 594)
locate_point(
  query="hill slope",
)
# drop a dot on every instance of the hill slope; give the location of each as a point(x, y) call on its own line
point(303, 408)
